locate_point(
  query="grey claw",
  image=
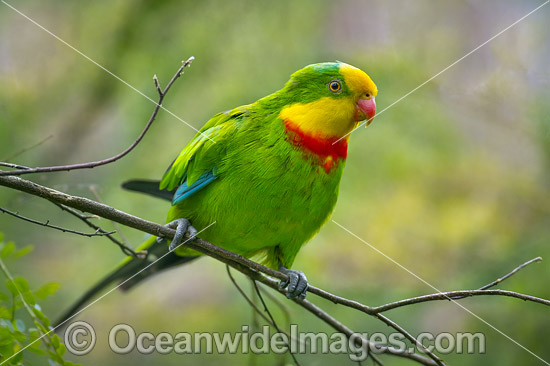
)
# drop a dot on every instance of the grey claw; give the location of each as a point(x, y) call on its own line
point(192, 233)
point(173, 245)
point(283, 284)
point(296, 284)
point(181, 226)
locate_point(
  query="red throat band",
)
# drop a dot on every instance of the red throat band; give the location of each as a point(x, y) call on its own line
point(327, 149)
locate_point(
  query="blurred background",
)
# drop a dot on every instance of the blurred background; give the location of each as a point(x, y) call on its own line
point(452, 182)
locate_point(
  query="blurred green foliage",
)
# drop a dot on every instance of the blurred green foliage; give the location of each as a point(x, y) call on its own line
point(17, 302)
point(452, 182)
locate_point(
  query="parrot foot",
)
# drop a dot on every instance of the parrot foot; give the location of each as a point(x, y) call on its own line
point(296, 285)
point(181, 226)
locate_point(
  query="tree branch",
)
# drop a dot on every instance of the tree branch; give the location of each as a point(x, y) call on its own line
point(457, 295)
point(98, 232)
point(93, 164)
point(450, 295)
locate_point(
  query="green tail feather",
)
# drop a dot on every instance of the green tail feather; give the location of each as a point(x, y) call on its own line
point(130, 273)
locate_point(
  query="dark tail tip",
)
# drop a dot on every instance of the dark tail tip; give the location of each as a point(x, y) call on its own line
point(150, 187)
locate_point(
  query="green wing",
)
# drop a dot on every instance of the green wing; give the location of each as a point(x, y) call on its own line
point(196, 166)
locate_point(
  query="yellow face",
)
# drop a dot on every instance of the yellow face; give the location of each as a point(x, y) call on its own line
point(336, 116)
point(358, 81)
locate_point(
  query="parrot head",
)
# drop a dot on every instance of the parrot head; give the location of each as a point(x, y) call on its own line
point(328, 100)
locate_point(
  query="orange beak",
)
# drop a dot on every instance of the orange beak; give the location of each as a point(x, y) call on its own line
point(365, 109)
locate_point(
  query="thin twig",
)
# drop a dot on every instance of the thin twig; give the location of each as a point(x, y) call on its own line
point(460, 294)
point(98, 232)
point(266, 309)
point(279, 303)
point(499, 280)
point(248, 299)
point(457, 295)
point(24, 150)
point(14, 166)
point(114, 158)
point(255, 323)
point(518, 268)
point(86, 219)
point(255, 307)
point(157, 85)
point(411, 338)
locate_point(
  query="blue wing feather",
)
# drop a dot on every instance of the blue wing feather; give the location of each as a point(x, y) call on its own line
point(185, 191)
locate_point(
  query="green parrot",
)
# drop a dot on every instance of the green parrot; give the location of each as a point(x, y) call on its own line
point(267, 174)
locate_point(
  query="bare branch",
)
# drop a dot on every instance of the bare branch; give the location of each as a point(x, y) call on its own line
point(86, 205)
point(451, 295)
point(114, 158)
point(517, 269)
point(13, 166)
point(86, 219)
point(282, 305)
point(412, 339)
point(457, 295)
point(157, 85)
point(270, 320)
point(98, 232)
point(248, 299)
point(266, 309)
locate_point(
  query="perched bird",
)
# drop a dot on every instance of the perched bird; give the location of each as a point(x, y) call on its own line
point(266, 173)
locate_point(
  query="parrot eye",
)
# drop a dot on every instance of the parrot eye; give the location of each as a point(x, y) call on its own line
point(334, 86)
